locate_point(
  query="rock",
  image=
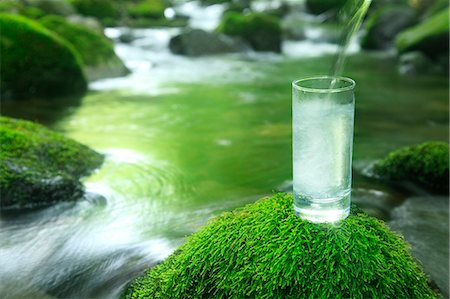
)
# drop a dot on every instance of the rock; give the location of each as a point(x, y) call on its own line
point(127, 37)
point(413, 63)
point(425, 164)
point(49, 68)
point(430, 37)
point(384, 24)
point(96, 51)
point(264, 251)
point(54, 7)
point(321, 6)
point(107, 12)
point(424, 223)
point(40, 167)
point(197, 42)
point(87, 22)
point(261, 31)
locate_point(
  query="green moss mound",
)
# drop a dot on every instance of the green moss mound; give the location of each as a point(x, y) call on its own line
point(426, 164)
point(262, 31)
point(430, 36)
point(39, 166)
point(153, 9)
point(264, 251)
point(96, 51)
point(35, 62)
point(106, 11)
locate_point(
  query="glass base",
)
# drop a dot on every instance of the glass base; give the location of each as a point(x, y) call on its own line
point(322, 210)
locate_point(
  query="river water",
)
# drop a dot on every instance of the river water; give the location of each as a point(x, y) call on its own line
point(186, 139)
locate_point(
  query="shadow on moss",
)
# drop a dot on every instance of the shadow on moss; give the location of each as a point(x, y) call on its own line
point(264, 251)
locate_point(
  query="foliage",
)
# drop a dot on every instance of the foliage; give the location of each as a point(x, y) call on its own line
point(153, 9)
point(264, 251)
point(321, 6)
point(262, 31)
point(426, 163)
point(40, 166)
point(430, 36)
point(104, 10)
point(93, 47)
point(35, 62)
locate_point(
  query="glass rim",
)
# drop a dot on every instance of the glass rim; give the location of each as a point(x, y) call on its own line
point(351, 84)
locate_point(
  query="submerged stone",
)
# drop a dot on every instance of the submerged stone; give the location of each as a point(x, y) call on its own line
point(39, 167)
point(426, 164)
point(264, 251)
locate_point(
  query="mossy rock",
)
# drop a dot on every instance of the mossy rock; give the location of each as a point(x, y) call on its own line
point(384, 24)
point(264, 251)
point(321, 6)
point(431, 36)
point(35, 62)
point(39, 167)
point(261, 31)
point(152, 9)
point(96, 51)
point(106, 11)
point(55, 7)
point(426, 164)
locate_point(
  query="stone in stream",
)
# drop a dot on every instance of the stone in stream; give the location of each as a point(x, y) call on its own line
point(424, 223)
point(96, 51)
point(426, 164)
point(264, 250)
point(49, 68)
point(262, 31)
point(39, 167)
point(197, 42)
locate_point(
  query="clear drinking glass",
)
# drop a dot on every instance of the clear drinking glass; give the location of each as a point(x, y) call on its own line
point(323, 111)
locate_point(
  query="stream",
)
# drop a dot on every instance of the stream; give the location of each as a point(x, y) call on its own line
point(186, 139)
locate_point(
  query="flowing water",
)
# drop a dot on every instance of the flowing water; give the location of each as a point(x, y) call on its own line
point(186, 139)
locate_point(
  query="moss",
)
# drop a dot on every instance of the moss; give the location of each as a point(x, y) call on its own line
point(264, 251)
point(153, 9)
point(93, 47)
point(431, 36)
point(48, 68)
point(426, 164)
point(101, 9)
point(262, 31)
point(39, 166)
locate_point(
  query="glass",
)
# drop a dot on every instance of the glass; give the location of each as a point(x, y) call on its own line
point(323, 111)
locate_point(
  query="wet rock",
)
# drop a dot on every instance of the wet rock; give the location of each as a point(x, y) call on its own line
point(384, 24)
point(413, 63)
point(40, 167)
point(424, 223)
point(197, 42)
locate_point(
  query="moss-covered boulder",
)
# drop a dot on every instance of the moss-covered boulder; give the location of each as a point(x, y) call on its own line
point(431, 36)
point(56, 7)
point(39, 167)
point(153, 9)
point(35, 62)
point(106, 11)
point(426, 164)
point(261, 31)
point(264, 251)
point(96, 51)
point(384, 24)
